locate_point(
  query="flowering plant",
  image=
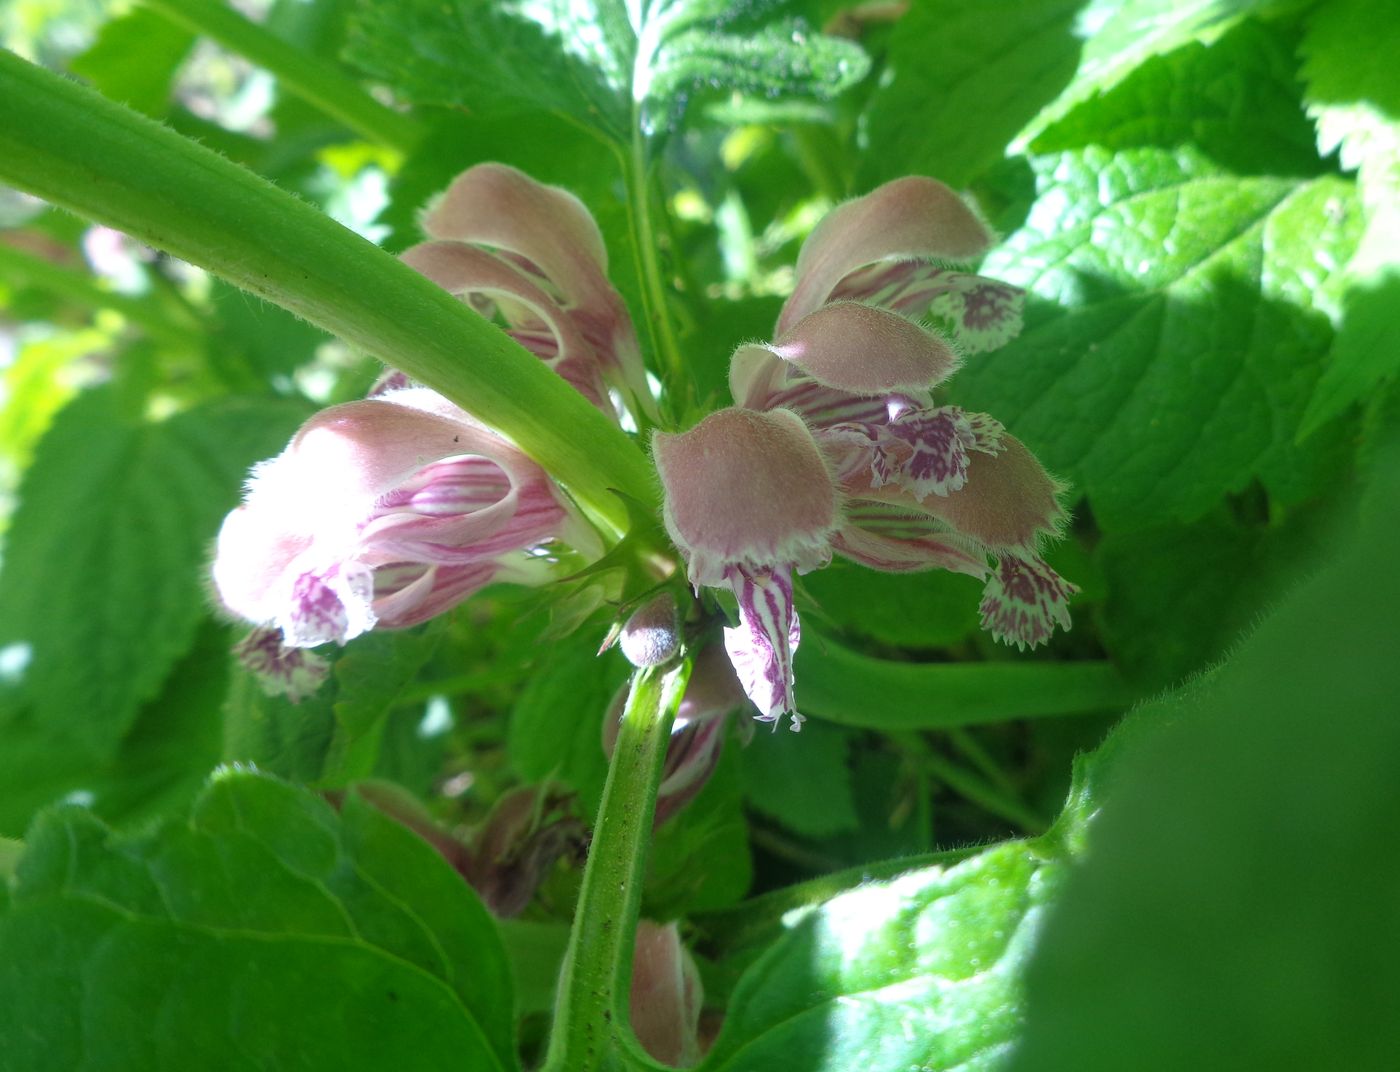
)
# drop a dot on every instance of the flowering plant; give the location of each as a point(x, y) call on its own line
point(533, 397)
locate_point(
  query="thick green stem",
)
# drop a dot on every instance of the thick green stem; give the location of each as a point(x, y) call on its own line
point(75, 148)
point(319, 83)
point(592, 1002)
point(844, 686)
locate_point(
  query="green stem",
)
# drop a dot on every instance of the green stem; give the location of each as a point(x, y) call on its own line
point(975, 754)
point(592, 1002)
point(69, 145)
point(969, 785)
point(319, 83)
point(840, 685)
point(25, 269)
point(654, 300)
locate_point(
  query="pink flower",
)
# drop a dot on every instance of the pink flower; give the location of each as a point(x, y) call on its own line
point(837, 445)
point(532, 256)
point(384, 513)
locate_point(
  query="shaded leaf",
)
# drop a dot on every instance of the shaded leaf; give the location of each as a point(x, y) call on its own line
point(1237, 874)
point(805, 782)
point(103, 579)
point(345, 939)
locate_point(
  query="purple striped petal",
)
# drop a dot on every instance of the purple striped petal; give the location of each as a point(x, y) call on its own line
point(762, 646)
point(533, 316)
point(549, 232)
point(1024, 600)
point(893, 540)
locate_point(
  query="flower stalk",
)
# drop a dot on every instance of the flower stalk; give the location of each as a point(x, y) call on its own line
point(592, 1000)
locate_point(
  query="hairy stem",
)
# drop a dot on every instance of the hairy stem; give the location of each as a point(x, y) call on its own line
point(592, 1002)
point(71, 146)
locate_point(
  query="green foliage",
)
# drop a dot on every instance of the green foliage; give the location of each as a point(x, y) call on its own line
point(332, 738)
point(1244, 827)
point(806, 784)
point(596, 64)
point(262, 894)
point(103, 565)
point(1356, 102)
point(922, 970)
point(1191, 310)
point(1202, 200)
point(949, 61)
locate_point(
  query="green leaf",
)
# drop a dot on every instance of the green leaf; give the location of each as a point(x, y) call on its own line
point(556, 726)
point(804, 782)
point(912, 610)
point(959, 85)
point(1239, 875)
point(1237, 99)
point(1119, 35)
point(103, 579)
point(1191, 313)
point(1354, 94)
point(594, 63)
point(699, 859)
point(1181, 595)
point(482, 56)
point(346, 940)
point(331, 738)
point(773, 59)
point(921, 971)
point(135, 59)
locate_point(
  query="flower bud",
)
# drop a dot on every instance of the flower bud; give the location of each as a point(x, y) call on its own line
point(666, 995)
point(652, 634)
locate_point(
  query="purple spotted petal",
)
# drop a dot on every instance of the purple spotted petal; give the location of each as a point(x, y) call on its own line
point(983, 313)
point(936, 442)
point(282, 671)
point(330, 604)
point(762, 646)
point(1024, 600)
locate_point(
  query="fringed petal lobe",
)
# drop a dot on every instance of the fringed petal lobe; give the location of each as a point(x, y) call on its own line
point(1024, 600)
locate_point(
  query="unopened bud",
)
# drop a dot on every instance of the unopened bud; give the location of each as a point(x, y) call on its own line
point(652, 635)
point(666, 995)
